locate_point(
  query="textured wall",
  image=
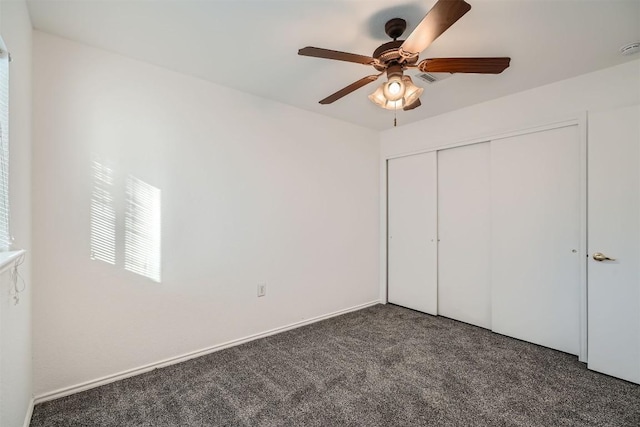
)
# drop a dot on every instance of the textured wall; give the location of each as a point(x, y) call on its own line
point(15, 320)
point(252, 191)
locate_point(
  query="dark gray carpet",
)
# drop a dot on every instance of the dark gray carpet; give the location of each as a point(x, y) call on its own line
point(382, 366)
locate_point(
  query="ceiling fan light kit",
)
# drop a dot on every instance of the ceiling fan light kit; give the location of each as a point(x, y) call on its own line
point(394, 88)
point(413, 92)
point(379, 99)
point(396, 56)
point(409, 95)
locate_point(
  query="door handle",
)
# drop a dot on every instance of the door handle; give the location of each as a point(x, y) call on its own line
point(598, 256)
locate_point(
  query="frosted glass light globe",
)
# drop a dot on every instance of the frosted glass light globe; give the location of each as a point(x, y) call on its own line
point(394, 88)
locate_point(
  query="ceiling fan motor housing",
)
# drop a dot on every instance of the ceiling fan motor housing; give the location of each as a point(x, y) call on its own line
point(389, 53)
point(395, 27)
point(394, 70)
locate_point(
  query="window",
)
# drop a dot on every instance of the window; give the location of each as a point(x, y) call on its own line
point(5, 235)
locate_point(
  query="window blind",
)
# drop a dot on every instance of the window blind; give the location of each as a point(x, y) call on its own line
point(5, 235)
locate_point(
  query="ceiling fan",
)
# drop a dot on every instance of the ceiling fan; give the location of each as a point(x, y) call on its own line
point(396, 56)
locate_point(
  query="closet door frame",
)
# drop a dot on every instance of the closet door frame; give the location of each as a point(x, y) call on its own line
point(579, 120)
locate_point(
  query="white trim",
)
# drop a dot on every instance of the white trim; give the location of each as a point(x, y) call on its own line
point(66, 391)
point(8, 259)
point(27, 418)
point(493, 137)
point(583, 250)
point(384, 241)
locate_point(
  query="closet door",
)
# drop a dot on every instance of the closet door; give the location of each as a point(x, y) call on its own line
point(464, 233)
point(412, 228)
point(535, 265)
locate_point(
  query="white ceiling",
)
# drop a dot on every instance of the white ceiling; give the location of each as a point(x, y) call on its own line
point(252, 45)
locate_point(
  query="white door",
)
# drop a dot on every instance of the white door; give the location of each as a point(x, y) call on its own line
point(464, 233)
point(412, 228)
point(614, 230)
point(535, 267)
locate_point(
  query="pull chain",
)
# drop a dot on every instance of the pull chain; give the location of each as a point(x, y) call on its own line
point(395, 120)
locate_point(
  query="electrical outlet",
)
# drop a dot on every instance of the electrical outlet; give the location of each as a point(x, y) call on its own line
point(262, 289)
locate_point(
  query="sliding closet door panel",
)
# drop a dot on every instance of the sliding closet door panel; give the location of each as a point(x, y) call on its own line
point(412, 216)
point(464, 230)
point(535, 237)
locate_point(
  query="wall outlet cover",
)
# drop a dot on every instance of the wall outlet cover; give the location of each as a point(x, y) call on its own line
point(262, 289)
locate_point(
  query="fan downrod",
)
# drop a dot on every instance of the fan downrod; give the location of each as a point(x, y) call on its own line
point(395, 27)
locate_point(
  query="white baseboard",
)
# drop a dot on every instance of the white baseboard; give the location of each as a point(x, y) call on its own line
point(27, 418)
point(173, 360)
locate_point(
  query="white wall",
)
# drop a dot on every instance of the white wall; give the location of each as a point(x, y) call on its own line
point(252, 191)
point(601, 90)
point(15, 320)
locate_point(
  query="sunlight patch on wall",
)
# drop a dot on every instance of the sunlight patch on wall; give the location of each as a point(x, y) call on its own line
point(103, 215)
point(142, 240)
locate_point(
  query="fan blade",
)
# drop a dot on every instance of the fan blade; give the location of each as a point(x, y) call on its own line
point(317, 52)
point(441, 16)
point(464, 65)
point(415, 104)
point(347, 90)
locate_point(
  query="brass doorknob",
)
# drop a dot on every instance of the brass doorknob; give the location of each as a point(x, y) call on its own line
point(598, 256)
